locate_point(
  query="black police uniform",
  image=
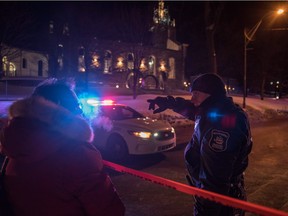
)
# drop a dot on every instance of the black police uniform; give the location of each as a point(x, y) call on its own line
point(217, 154)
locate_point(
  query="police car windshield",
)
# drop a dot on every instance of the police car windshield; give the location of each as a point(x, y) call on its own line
point(120, 112)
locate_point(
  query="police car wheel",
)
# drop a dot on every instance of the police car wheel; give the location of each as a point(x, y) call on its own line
point(117, 149)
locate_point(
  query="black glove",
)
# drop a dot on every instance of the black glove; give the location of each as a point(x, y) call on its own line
point(163, 103)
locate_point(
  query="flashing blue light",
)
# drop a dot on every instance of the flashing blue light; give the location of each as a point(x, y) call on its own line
point(90, 105)
point(214, 115)
point(93, 101)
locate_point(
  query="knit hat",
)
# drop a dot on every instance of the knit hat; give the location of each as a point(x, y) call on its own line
point(209, 83)
point(59, 91)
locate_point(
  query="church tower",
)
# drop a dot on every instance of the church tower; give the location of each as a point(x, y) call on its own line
point(163, 27)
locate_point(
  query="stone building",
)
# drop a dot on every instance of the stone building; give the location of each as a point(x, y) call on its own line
point(162, 60)
point(118, 59)
point(164, 56)
point(23, 63)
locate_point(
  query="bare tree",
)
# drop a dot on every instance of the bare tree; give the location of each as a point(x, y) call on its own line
point(17, 26)
point(212, 15)
point(133, 24)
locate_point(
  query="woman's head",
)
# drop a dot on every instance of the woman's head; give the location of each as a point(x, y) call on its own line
point(59, 91)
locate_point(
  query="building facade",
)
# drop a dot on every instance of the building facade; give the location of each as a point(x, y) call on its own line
point(118, 58)
point(23, 63)
point(164, 58)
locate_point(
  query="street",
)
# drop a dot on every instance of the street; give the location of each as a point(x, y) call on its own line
point(266, 176)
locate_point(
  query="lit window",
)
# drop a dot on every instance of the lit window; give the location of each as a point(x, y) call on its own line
point(130, 63)
point(108, 62)
point(95, 61)
point(143, 65)
point(120, 63)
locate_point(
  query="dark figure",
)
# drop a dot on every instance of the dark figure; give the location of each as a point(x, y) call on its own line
point(53, 168)
point(217, 155)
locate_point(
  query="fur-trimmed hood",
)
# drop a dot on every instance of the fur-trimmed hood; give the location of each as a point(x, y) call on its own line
point(59, 118)
point(39, 125)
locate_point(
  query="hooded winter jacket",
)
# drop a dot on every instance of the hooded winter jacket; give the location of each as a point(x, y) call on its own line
point(53, 168)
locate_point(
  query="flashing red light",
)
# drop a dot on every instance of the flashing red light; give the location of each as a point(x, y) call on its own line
point(107, 102)
point(95, 102)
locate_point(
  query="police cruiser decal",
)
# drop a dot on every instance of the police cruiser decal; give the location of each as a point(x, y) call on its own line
point(218, 141)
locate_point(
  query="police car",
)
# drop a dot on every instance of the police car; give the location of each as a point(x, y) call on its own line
point(121, 131)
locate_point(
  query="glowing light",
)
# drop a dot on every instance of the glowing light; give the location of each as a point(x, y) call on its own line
point(140, 80)
point(120, 62)
point(173, 130)
point(95, 61)
point(186, 84)
point(213, 115)
point(82, 69)
point(141, 134)
point(107, 102)
point(142, 65)
point(162, 67)
point(97, 102)
point(280, 11)
point(93, 102)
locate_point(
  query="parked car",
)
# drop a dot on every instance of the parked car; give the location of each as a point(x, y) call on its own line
point(121, 131)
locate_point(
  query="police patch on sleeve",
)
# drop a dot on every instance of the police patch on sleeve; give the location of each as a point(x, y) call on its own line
point(218, 141)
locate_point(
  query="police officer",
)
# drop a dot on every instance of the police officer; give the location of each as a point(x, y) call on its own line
point(217, 155)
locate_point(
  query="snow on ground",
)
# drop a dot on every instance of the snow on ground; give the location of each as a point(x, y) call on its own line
point(280, 105)
point(258, 110)
point(140, 103)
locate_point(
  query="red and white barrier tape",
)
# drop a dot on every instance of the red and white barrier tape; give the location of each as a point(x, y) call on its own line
point(224, 200)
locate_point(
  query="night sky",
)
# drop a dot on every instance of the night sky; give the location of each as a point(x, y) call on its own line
point(115, 19)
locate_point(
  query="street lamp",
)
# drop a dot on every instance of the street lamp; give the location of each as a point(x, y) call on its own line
point(248, 37)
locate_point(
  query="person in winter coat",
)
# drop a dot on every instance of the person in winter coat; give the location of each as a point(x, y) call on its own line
point(53, 167)
point(217, 155)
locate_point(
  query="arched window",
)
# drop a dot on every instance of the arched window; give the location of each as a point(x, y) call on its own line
point(120, 63)
point(171, 74)
point(9, 68)
point(40, 68)
point(96, 62)
point(107, 62)
point(24, 63)
point(143, 66)
point(152, 65)
point(130, 61)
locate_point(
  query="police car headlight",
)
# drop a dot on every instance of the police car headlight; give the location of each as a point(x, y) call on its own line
point(141, 134)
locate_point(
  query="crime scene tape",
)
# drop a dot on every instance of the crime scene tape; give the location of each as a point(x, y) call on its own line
point(224, 200)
